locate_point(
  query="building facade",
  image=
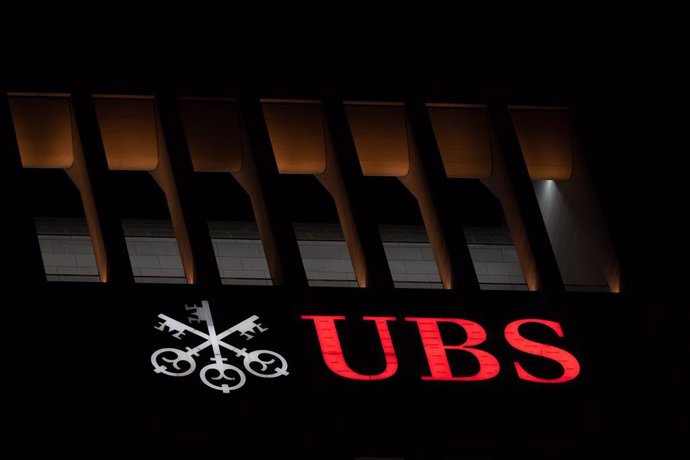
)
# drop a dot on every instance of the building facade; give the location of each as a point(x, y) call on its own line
point(325, 274)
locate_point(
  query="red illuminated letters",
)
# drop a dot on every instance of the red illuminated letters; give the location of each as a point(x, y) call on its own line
point(333, 352)
point(571, 367)
point(436, 350)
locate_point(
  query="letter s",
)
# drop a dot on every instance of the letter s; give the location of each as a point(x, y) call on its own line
point(571, 367)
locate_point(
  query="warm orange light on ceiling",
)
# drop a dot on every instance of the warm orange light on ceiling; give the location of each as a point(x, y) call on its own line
point(545, 138)
point(129, 132)
point(297, 136)
point(44, 131)
point(380, 136)
point(464, 139)
point(213, 134)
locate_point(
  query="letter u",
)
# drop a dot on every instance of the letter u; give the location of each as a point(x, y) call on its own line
point(332, 351)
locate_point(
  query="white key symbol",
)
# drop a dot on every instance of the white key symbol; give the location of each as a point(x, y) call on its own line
point(224, 371)
point(178, 363)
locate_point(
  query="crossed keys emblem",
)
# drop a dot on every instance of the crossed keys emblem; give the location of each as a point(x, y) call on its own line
point(218, 375)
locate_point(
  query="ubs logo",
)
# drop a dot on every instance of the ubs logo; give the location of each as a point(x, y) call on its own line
point(437, 350)
point(218, 374)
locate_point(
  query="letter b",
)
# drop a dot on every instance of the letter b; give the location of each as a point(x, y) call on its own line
point(436, 350)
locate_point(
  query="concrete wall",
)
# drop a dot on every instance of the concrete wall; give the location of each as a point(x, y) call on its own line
point(569, 240)
point(577, 230)
point(68, 255)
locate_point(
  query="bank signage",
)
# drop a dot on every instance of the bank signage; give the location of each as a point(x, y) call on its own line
point(227, 358)
point(218, 373)
point(437, 350)
point(360, 371)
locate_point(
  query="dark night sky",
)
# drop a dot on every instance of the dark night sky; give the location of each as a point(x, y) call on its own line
point(382, 72)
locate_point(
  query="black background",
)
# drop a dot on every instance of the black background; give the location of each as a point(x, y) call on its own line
point(98, 344)
point(632, 396)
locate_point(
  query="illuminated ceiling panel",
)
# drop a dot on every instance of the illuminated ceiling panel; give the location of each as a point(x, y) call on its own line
point(44, 131)
point(464, 139)
point(546, 140)
point(297, 136)
point(213, 134)
point(380, 135)
point(128, 129)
